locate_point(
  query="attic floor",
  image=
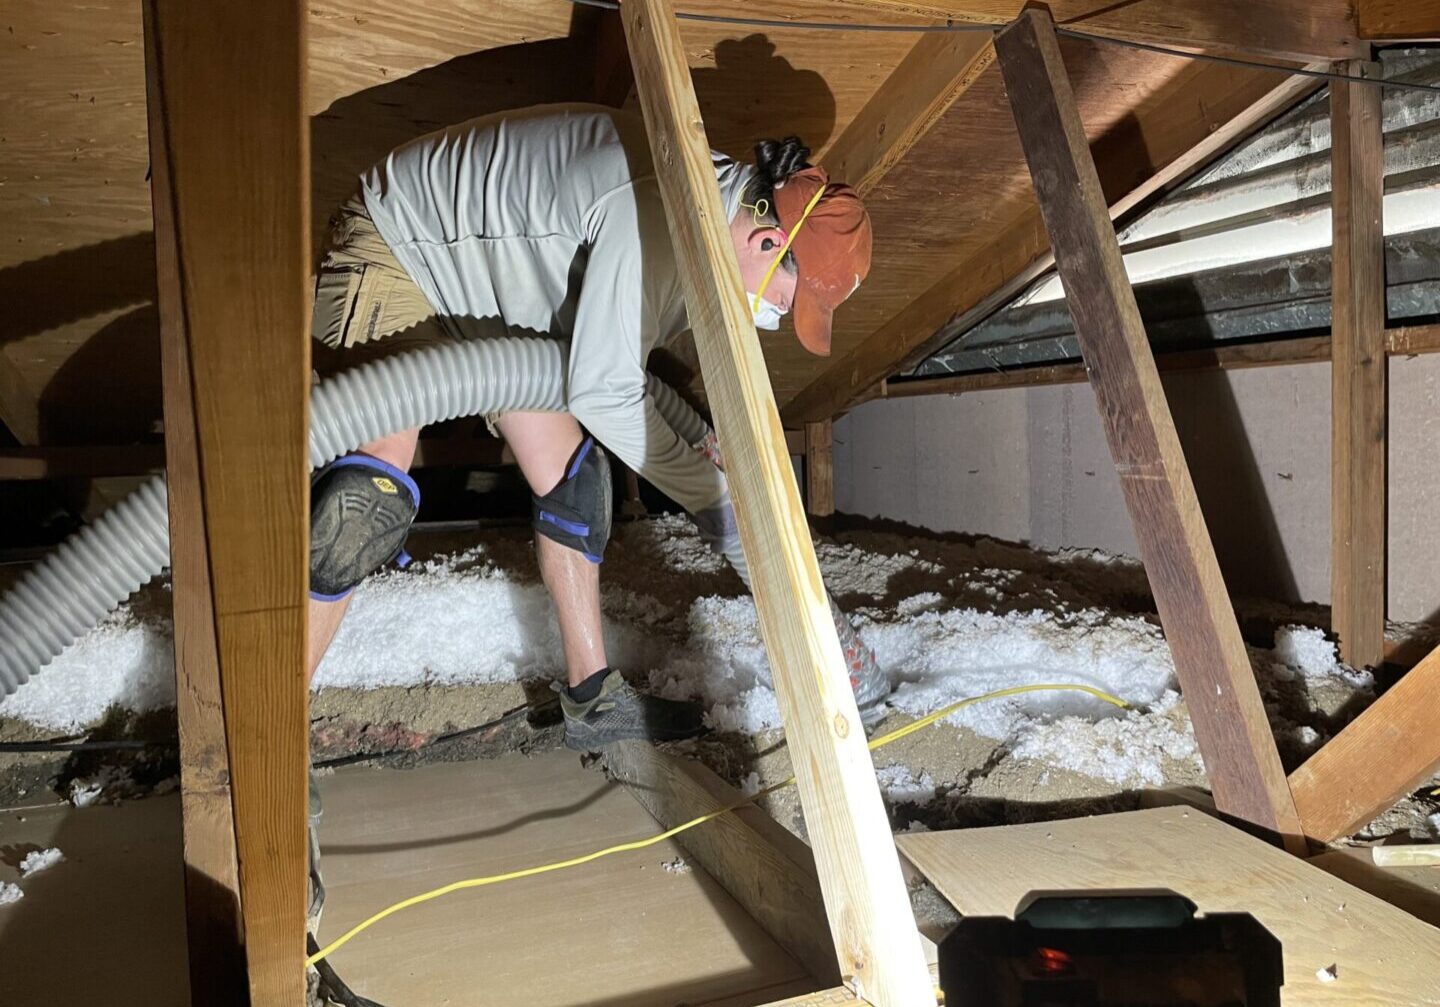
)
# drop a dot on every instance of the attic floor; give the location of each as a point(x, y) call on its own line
point(106, 924)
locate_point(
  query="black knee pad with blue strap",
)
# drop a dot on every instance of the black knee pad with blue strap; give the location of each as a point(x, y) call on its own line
point(577, 512)
point(361, 509)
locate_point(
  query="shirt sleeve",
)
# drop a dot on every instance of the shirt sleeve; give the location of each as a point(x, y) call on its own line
point(629, 294)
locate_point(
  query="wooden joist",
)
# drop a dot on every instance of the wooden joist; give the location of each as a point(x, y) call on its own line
point(1359, 384)
point(1210, 657)
point(1273, 353)
point(1382, 755)
point(872, 927)
point(1409, 341)
point(97, 460)
point(1300, 29)
point(1399, 20)
point(937, 71)
point(820, 468)
point(226, 97)
point(1205, 111)
point(764, 867)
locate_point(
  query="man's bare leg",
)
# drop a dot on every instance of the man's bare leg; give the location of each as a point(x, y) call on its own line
point(325, 616)
point(544, 445)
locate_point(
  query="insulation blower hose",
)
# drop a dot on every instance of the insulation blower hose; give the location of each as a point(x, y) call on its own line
point(98, 567)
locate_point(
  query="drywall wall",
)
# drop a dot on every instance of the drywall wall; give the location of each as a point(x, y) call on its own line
point(1031, 465)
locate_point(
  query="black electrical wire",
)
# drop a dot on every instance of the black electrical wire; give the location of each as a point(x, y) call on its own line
point(12, 747)
point(59, 745)
point(959, 26)
point(350, 760)
point(764, 22)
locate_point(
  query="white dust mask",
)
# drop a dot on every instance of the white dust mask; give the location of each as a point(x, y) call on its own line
point(767, 316)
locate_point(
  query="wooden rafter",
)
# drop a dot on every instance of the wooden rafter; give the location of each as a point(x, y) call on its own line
point(226, 89)
point(932, 76)
point(1211, 661)
point(1358, 371)
point(1382, 755)
point(1410, 341)
point(1198, 117)
point(872, 927)
point(1399, 20)
point(1298, 29)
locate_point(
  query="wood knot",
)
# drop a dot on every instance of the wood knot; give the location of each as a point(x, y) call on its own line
point(842, 726)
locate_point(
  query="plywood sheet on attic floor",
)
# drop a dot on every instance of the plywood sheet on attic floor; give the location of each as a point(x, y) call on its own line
point(1380, 954)
point(106, 924)
point(621, 930)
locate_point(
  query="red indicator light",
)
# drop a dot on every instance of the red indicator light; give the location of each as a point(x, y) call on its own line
point(1053, 961)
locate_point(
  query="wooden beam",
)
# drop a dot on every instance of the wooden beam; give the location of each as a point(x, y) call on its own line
point(1412, 340)
point(1382, 755)
point(820, 468)
point(602, 32)
point(764, 866)
point(1359, 376)
point(227, 104)
point(88, 461)
point(1408, 341)
point(1273, 353)
point(1202, 114)
point(1298, 29)
point(1399, 20)
point(214, 924)
point(938, 70)
point(873, 930)
point(1210, 656)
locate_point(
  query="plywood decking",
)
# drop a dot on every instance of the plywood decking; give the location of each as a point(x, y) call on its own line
point(1382, 955)
point(106, 925)
point(642, 936)
point(621, 930)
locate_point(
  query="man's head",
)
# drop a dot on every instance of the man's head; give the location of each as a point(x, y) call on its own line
point(828, 234)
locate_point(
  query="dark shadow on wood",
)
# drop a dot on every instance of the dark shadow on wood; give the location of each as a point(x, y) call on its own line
point(45, 293)
point(116, 374)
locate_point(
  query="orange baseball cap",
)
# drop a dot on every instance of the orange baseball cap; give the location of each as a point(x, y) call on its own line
point(831, 246)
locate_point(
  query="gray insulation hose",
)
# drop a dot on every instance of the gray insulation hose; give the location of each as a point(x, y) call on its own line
point(97, 568)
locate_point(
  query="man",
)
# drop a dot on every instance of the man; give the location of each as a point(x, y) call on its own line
point(549, 221)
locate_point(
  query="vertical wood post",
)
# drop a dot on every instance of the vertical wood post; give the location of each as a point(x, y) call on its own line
point(1359, 378)
point(231, 182)
point(213, 921)
point(820, 468)
point(876, 941)
point(1210, 658)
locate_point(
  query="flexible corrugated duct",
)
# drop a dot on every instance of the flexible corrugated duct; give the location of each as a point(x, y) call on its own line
point(97, 568)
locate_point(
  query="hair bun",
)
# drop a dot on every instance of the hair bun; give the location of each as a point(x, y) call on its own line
point(777, 160)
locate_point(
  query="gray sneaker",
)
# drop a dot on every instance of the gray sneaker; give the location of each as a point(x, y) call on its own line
point(619, 713)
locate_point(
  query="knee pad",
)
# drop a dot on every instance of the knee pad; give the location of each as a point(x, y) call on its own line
point(577, 512)
point(361, 510)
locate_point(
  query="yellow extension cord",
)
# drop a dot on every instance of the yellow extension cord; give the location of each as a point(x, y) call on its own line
point(641, 844)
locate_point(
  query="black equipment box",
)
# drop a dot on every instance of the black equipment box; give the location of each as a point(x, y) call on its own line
point(1129, 949)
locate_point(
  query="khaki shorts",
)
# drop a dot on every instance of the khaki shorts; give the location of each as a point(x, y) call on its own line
point(366, 305)
point(363, 297)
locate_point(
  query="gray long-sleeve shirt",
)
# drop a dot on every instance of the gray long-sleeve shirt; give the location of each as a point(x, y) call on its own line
point(549, 221)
